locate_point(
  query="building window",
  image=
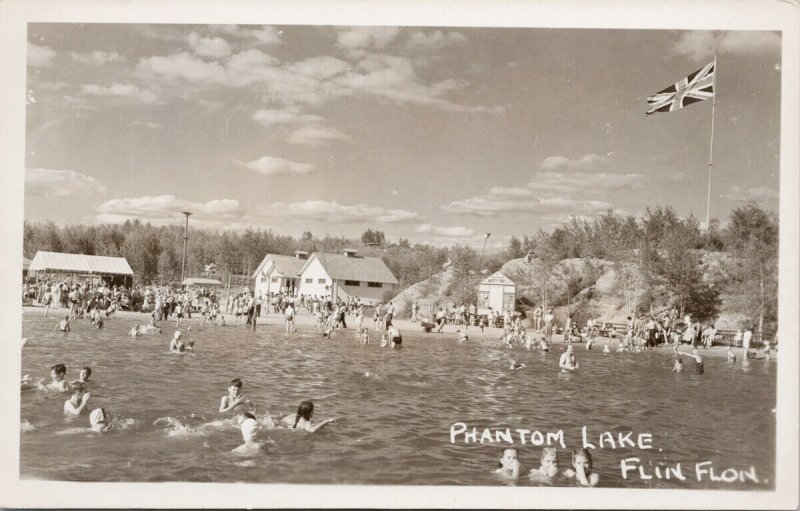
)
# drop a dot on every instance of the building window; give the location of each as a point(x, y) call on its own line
point(352, 283)
point(309, 281)
point(322, 281)
point(274, 280)
point(374, 284)
point(483, 299)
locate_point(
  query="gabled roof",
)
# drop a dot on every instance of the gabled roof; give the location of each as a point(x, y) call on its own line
point(79, 263)
point(289, 266)
point(201, 281)
point(25, 263)
point(342, 267)
point(498, 278)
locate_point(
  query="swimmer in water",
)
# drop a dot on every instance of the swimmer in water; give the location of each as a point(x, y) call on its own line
point(24, 341)
point(176, 345)
point(516, 366)
point(567, 361)
point(234, 397)
point(462, 336)
point(134, 331)
point(365, 336)
point(731, 356)
point(384, 341)
point(57, 383)
point(698, 367)
point(99, 420)
point(63, 325)
point(528, 341)
point(678, 367)
point(581, 469)
point(249, 427)
point(606, 349)
point(328, 332)
point(508, 466)
point(301, 421)
point(548, 469)
point(83, 376)
point(77, 402)
point(394, 337)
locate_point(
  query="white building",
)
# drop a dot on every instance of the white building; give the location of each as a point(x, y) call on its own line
point(497, 292)
point(279, 273)
point(346, 275)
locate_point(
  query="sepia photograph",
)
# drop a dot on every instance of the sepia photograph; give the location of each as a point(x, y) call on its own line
point(520, 258)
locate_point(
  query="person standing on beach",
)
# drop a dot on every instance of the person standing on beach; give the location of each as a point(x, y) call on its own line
point(548, 326)
point(414, 312)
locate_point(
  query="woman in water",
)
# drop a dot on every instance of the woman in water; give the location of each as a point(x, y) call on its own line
point(508, 466)
point(581, 469)
point(548, 469)
point(99, 420)
point(302, 419)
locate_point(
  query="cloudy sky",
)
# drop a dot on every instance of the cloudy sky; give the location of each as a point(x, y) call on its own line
point(433, 134)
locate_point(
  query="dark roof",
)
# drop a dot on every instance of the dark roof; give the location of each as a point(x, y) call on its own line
point(342, 267)
point(289, 266)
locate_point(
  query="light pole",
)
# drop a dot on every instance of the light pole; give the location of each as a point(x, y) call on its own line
point(185, 237)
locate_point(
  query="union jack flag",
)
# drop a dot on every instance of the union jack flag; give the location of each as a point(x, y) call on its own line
point(698, 86)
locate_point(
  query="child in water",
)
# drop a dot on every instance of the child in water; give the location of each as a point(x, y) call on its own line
point(516, 366)
point(582, 468)
point(365, 336)
point(731, 356)
point(301, 421)
point(462, 336)
point(58, 383)
point(606, 349)
point(83, 376)
point(508, 467)
point(567, 361)
point(234, 397)
point(63, 325)
point(77, 402)
point(99, 420)
point(548, 469)
point(384, 341)
point(249, 427)
point(678, 368)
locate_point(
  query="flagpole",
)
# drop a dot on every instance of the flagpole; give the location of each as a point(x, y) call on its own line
point(711, 148)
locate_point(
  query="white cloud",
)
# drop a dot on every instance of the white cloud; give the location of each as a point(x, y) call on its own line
point(355, 40)
point(448, 232)
point(270, 117)
point(582, 183)
point(181, 66)
point(121, 90)
point(585, 162)
point(212, 47)
point(503, 192)
point(321, 68)
point(40, 56)
point(755, 194)
point(263, 35)
point(485, 206)
point(333, 212)
point(316, 134)
point(165, 208)
point(273, 166)
point(702, 45)
point(96, 57)
point(436, 39)
point(149, 124)
point(60, 183)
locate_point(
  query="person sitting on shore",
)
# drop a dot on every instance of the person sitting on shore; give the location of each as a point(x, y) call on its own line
point(301, 421)
point(548, 468)
point(508, 467)
point(581, 469)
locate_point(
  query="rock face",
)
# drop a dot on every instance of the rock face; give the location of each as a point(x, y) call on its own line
point(428, 293)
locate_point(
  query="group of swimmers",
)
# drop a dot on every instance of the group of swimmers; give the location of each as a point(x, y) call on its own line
point(580, 472)
point(78, 401)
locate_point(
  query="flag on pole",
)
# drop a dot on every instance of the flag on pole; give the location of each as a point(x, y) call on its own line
point(698, 86)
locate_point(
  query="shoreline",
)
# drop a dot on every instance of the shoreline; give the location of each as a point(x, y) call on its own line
point(305, 319)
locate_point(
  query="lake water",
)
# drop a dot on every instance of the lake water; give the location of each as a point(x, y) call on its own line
point(393, 426)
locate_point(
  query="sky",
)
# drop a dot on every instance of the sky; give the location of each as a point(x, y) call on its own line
point(437, 135)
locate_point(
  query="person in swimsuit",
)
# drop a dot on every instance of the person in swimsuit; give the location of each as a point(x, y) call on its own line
point(301, 421)
point(249, 426)
point(99, 420)
point(394, 337)
point(508, 467)
point(63, 325)
point(365, 336)
point(581, 469)
point(77, 402)
point(678, 367)
point(548, 469)
point(58, 383)
point(567, 361)
point(698, 368)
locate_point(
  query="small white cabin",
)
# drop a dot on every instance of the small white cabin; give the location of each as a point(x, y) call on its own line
point(497, 292)
point(279, 274)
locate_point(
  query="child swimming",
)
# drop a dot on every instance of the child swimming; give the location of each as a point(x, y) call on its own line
point(508, 466)
point(77, 402)
point(606, 349)
point(515, 366)
point(58, 383)
point(234, 397)
point(301, 421)
point(567, 361)
point(63, 325)
point(462, 336)
point(249, 426)
point(83, 376)
point(365, 336)
point(582, 468)
point(99, 420)
point(548, 469)
point(176, 345)
point(384, 341)
point(731, 356)
point(678, 367)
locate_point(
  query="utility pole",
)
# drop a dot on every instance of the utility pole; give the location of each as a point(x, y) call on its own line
point(185, 237)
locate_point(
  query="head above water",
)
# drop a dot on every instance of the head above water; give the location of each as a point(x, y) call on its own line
point(59, 369)
point(86, 373)
point(305, 410)
point(236, 383)
point(582, 457)
point(508, 457)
